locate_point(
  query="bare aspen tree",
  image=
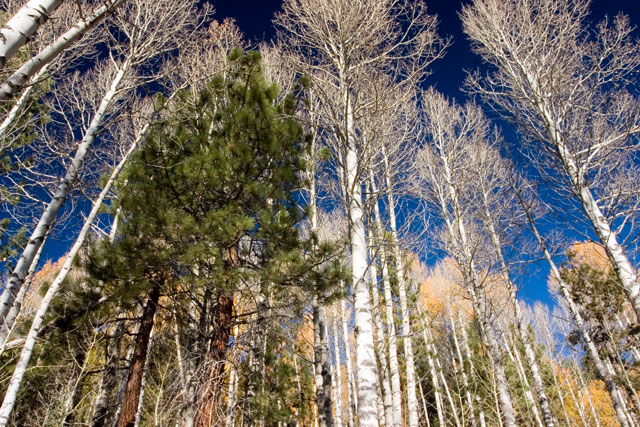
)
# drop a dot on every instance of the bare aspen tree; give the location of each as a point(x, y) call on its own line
point(23, 25)
point(566, 88)
point(343, 41)
point(441, 169)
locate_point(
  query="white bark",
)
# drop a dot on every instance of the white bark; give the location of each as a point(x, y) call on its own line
point(16, 279)
point(450, 128)
point(350, 376)
point(407, 333)
point(25, 356)
point(337, 390)
point(322, 365)
point(514, 355)
point(23, 25)
point(14, 83)
point(463, 366)
point(381, 350)
point(394, 370)
point(489, 218)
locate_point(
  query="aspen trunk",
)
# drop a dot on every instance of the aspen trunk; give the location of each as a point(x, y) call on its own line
point(21, 28)
point(338, 375)
point(129, 408)
point(365, 354)
point(467, 352)
point(322, 365)
point(412, 399)
point(465, 259)
point(463, 367)
point(350, 377)
point(5, 330)
point(435, 382)
point(19, 106)
point(396, 391)
point(381, 350)
point(514, 355)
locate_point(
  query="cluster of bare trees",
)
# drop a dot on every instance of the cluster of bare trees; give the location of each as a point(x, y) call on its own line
point(395, 173)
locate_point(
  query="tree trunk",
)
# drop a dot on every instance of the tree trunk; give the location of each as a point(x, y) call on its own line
point(17, 108)
point(543, 399)
point(21, 28)
point(435, 382)
point(129, 406)
point(337, 395)
point(381, 350)
point(412, 399)
point(7, 327)
point(322, 365)
point(463, 366)
point(514, 355)
point(396, 391)
point(351, 382)
point(210, 403)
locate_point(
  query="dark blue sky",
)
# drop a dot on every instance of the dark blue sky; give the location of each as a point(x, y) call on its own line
point(254, 19)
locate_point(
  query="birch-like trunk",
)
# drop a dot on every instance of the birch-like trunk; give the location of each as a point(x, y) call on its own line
point(607, 376)
point(16, 279)
point(27, 350)
point(394, 370)
point(381, 350)
point(14, 83)
point(514, 355)
point(337, 395)
point(365, 353)
point(601, 225)
point(21, 28)
point(352, 399)
point(467, 352)
point(407, 333)
point(478, 297)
